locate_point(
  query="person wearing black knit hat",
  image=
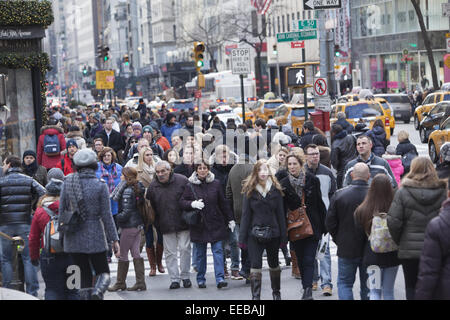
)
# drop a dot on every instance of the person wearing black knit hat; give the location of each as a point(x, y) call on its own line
point(66, 163)
point(32, 169)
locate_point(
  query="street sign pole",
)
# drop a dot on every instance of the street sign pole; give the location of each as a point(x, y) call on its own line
point(242, 97)
point(305, 92)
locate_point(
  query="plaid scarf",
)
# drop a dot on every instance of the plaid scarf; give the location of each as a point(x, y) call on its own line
point(109, 176)
point(298, 183)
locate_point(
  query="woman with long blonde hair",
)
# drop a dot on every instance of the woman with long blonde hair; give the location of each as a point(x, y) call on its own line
point(263, 226)
point(145, 174)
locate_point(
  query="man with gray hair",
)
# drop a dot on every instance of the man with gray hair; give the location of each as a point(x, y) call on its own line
point(164, 193)
point(342, 121)
point(443, 166)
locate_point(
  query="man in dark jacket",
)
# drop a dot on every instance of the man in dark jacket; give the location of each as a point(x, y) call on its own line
point(376, 164)
point(148, 134)
point(350, 242)
point(434, 269)
point(308, 134)
point(17, 193)
point(111, 138)
point(164, 193)
point(343, 149)
point(342, 121)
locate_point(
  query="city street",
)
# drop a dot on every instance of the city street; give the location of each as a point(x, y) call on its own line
point(158, 286)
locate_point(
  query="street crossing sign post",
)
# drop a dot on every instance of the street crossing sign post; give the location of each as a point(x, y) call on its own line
point(296, 77)
point(240, 64)
point(297, 36)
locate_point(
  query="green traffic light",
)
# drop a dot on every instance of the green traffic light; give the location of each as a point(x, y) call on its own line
point(338, 54)
point(200, 64)
point(106, 58)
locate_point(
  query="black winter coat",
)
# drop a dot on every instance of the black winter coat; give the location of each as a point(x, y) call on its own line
point(315, 208)
point(17, 191)
point(404, 147)
point(263, 211)
point(378, 135)
point(129, 215)
point(164, 200)
point(340, 221)
point(347, 126)
point(184, 170)
point(115, 140)
point(216, 213)
point(343, 150)
point(221, 173)
point(434, 270)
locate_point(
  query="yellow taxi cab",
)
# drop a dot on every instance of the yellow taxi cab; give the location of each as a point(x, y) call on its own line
point(348, 98)
point(437, 138)
point(266, 108)
point(362, 111)
point(293, 115)
point(428, 103)
point(389, 111)
point(237, 109)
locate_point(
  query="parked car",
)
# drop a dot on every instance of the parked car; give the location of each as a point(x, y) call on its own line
point(181, 105)
point(437, 139)
point(389, 111)
point(433, 119)
point(400, 103)
point(266, 108)
point(428, 103)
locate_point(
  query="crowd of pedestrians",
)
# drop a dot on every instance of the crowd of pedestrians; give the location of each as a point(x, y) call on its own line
point(116, 180)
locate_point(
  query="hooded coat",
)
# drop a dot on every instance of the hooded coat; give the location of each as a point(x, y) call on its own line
point(78, 137)
point(378, 135)
point(42, 158)
point(395, 162)
point(434, 270)
point(413, 207)
point(216, 213)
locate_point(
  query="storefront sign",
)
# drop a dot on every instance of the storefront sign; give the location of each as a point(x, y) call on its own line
point(12, 33)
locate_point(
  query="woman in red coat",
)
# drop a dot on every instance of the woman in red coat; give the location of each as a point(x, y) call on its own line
point(53, 265)
point(46, 160)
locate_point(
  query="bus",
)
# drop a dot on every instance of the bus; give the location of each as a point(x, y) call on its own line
point(223, 86)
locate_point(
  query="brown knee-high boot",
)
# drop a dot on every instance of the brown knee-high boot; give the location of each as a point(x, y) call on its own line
point(139, 270)
point(295, 270)
point(159, 255)
point(152, 261)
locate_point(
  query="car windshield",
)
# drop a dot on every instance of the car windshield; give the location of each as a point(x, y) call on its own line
point(396, 99)
point(272, 105)
point(447, 97)
point(300, 112)
point(385, 105)
point(281, 112)
point(362, 110)
point(183, 105)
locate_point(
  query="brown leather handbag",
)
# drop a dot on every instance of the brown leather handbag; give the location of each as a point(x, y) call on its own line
point(298, 224)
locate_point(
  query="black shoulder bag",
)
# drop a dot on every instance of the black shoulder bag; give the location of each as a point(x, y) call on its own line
point(192, 217)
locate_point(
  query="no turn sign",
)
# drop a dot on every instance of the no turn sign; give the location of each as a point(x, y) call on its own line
point(320, 87)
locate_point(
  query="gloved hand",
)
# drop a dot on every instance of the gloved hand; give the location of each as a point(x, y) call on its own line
point(232, 225)
point(243, 246)
point(35, 263)
point(198, 204)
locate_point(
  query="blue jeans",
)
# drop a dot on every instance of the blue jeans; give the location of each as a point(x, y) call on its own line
point(325, 270)
point(232, 241)
point(54, 271)
point(346, 278)
point(217, 251)
point(381, 282)
point(150, 237)
point(30, 271)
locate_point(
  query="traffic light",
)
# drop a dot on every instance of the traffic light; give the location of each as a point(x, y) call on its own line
point(103, 53)
point(275, 50)
point(85, 71)
point(126, 59)
point(199, 49)
point(106, 54)
point(337, 51)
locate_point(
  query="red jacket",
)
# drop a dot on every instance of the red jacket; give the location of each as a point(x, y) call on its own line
point(68, 165)
point(50, 161)
point(164, 143)
point(36, 236)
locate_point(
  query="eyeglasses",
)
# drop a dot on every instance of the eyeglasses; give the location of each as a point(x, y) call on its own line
point(133, 141)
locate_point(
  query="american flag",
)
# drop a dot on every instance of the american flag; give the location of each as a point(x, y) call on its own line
point(261, 5)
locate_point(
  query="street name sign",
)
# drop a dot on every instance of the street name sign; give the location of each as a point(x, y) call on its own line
point(307, 24)
point(240, 61)
point(321, 4)
point(297, 36)
point(296, 77)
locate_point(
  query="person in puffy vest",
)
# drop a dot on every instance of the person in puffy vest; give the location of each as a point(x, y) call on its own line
point(395, 162)
point(50, 159)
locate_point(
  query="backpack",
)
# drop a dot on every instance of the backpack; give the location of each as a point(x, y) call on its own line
point(51, 145)
point(380, 238)
point(53, 242)
point(407, 158)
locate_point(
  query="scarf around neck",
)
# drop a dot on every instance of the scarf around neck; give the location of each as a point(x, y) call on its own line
point(109, 174)
point(298, 183)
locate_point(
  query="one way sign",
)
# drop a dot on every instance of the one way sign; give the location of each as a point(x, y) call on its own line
point(321, 4)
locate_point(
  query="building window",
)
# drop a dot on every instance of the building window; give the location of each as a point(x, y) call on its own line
point(282, 22)
point(287, 23)
point(278, 24)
